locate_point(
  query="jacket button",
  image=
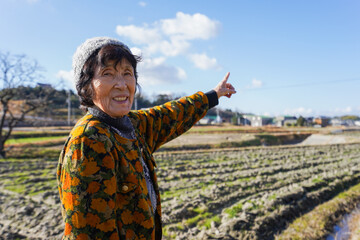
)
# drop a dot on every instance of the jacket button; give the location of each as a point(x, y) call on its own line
point(125, 188)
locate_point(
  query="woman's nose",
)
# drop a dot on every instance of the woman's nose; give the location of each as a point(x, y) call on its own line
point(120, 81)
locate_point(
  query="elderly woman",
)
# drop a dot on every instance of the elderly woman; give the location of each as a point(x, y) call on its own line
point(106, 172)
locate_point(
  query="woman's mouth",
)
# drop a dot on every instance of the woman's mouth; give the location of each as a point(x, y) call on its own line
point(120, 99)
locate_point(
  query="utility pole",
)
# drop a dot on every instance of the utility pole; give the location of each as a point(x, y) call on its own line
point(135, 103)
point(69, 107)
point(218, 118)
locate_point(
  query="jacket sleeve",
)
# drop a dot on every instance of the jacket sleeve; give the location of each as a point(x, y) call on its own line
point(163, 123)
point(87, 186)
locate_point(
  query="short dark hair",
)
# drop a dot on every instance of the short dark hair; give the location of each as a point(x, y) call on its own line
point(101, 57)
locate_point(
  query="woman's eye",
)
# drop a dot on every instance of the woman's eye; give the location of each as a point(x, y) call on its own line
point(107, 74)
point(129, 73)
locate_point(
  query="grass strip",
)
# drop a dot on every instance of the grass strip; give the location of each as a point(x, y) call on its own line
point(38, 134)
point(34, 139)
point(319, 223)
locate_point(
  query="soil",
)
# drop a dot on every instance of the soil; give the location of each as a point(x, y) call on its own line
point(206, 138)
point(301, 138)
point(320, 139)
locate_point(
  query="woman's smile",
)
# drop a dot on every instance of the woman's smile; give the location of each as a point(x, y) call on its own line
point(120, 99)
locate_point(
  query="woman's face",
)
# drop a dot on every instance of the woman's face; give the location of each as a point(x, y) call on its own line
point(114, 88)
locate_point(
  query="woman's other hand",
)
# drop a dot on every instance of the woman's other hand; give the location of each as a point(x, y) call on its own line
point(224, 88)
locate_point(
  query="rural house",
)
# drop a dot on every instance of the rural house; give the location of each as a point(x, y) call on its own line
point(281, 121)
point(321, 121)
point(258, 121)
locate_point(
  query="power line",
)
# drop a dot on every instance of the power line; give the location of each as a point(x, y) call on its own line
point(304, 84)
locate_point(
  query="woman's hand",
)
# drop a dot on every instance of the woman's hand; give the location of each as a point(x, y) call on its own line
point(224, 88)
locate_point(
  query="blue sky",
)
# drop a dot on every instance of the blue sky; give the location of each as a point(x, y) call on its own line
point(285, 57)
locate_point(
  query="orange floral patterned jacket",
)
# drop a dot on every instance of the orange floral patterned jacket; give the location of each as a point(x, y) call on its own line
point(101, 181)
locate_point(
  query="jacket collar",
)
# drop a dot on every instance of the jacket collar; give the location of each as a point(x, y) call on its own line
point(122, 124)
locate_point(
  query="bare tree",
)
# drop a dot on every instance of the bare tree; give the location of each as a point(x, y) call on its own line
point(15, 72)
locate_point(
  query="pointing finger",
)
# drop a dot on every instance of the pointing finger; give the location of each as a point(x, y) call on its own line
point(226, 78)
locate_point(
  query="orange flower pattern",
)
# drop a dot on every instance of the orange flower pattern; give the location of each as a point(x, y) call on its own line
point(93, 187)
point(100, 177)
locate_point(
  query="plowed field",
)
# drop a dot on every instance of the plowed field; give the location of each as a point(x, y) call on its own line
point(250, 193)
point(228, 193)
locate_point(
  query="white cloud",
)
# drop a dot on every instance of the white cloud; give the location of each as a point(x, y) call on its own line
point(186, 26)
point(136, 51)
point(139, 35)
point(204, 62)
point(66, 75)
point(142, 4)
point(171, 37)
point(255, 84)
point(155, 71)
point(172, 48)
point(298, 111)
point(345, 110)
point(66, 79)
point(348, 109)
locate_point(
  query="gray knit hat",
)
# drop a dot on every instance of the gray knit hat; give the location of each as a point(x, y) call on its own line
point(84, 51)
